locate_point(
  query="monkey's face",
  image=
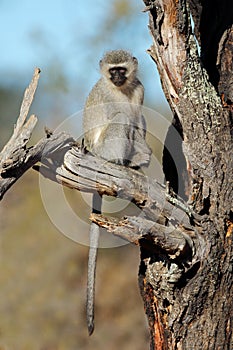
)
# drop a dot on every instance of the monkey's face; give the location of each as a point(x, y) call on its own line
point(118, 75)
point(119, 67)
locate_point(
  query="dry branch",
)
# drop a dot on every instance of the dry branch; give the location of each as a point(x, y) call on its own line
point(16, 158)
point(64, 161)
point(166, 222)
point(87, 173)
point(140, 231)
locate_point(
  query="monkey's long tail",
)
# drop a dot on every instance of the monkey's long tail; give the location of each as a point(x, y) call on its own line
point(94, 240)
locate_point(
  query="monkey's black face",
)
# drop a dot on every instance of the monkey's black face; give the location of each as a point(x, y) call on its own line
point(118, 75)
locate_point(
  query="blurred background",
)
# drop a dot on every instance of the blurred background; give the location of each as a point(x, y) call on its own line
point(42, 271)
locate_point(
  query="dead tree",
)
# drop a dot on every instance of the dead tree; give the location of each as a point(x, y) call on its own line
point(185, 274)
point(194, 310)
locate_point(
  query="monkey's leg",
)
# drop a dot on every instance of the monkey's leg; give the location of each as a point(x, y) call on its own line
point(116, 143)
point(94, 240)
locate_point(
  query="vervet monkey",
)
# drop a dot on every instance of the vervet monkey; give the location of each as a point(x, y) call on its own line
point(114, 129)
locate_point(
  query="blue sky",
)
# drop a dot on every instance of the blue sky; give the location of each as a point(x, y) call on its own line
point(33, 29)
point(61, 37)
point(22, 21)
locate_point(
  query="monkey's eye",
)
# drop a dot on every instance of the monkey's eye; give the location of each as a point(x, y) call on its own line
point(117, 70)
point(122, 71)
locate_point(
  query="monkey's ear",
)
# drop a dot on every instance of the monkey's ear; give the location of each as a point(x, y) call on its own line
point(135, 60)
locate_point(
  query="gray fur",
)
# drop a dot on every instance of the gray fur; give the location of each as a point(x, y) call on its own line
point(114, 129)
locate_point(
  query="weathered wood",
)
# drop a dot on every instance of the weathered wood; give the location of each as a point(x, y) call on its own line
point(193, 305)
point(90, 174)
point(16, 158)
point(23, 128)
point(140, 231)
point(225, 68)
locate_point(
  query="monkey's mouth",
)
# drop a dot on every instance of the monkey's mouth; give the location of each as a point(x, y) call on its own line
point(118, 81)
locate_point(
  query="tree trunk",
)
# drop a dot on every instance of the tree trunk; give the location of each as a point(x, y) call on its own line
point(195, 310)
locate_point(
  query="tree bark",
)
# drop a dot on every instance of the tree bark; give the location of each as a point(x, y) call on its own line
point(195, 312)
